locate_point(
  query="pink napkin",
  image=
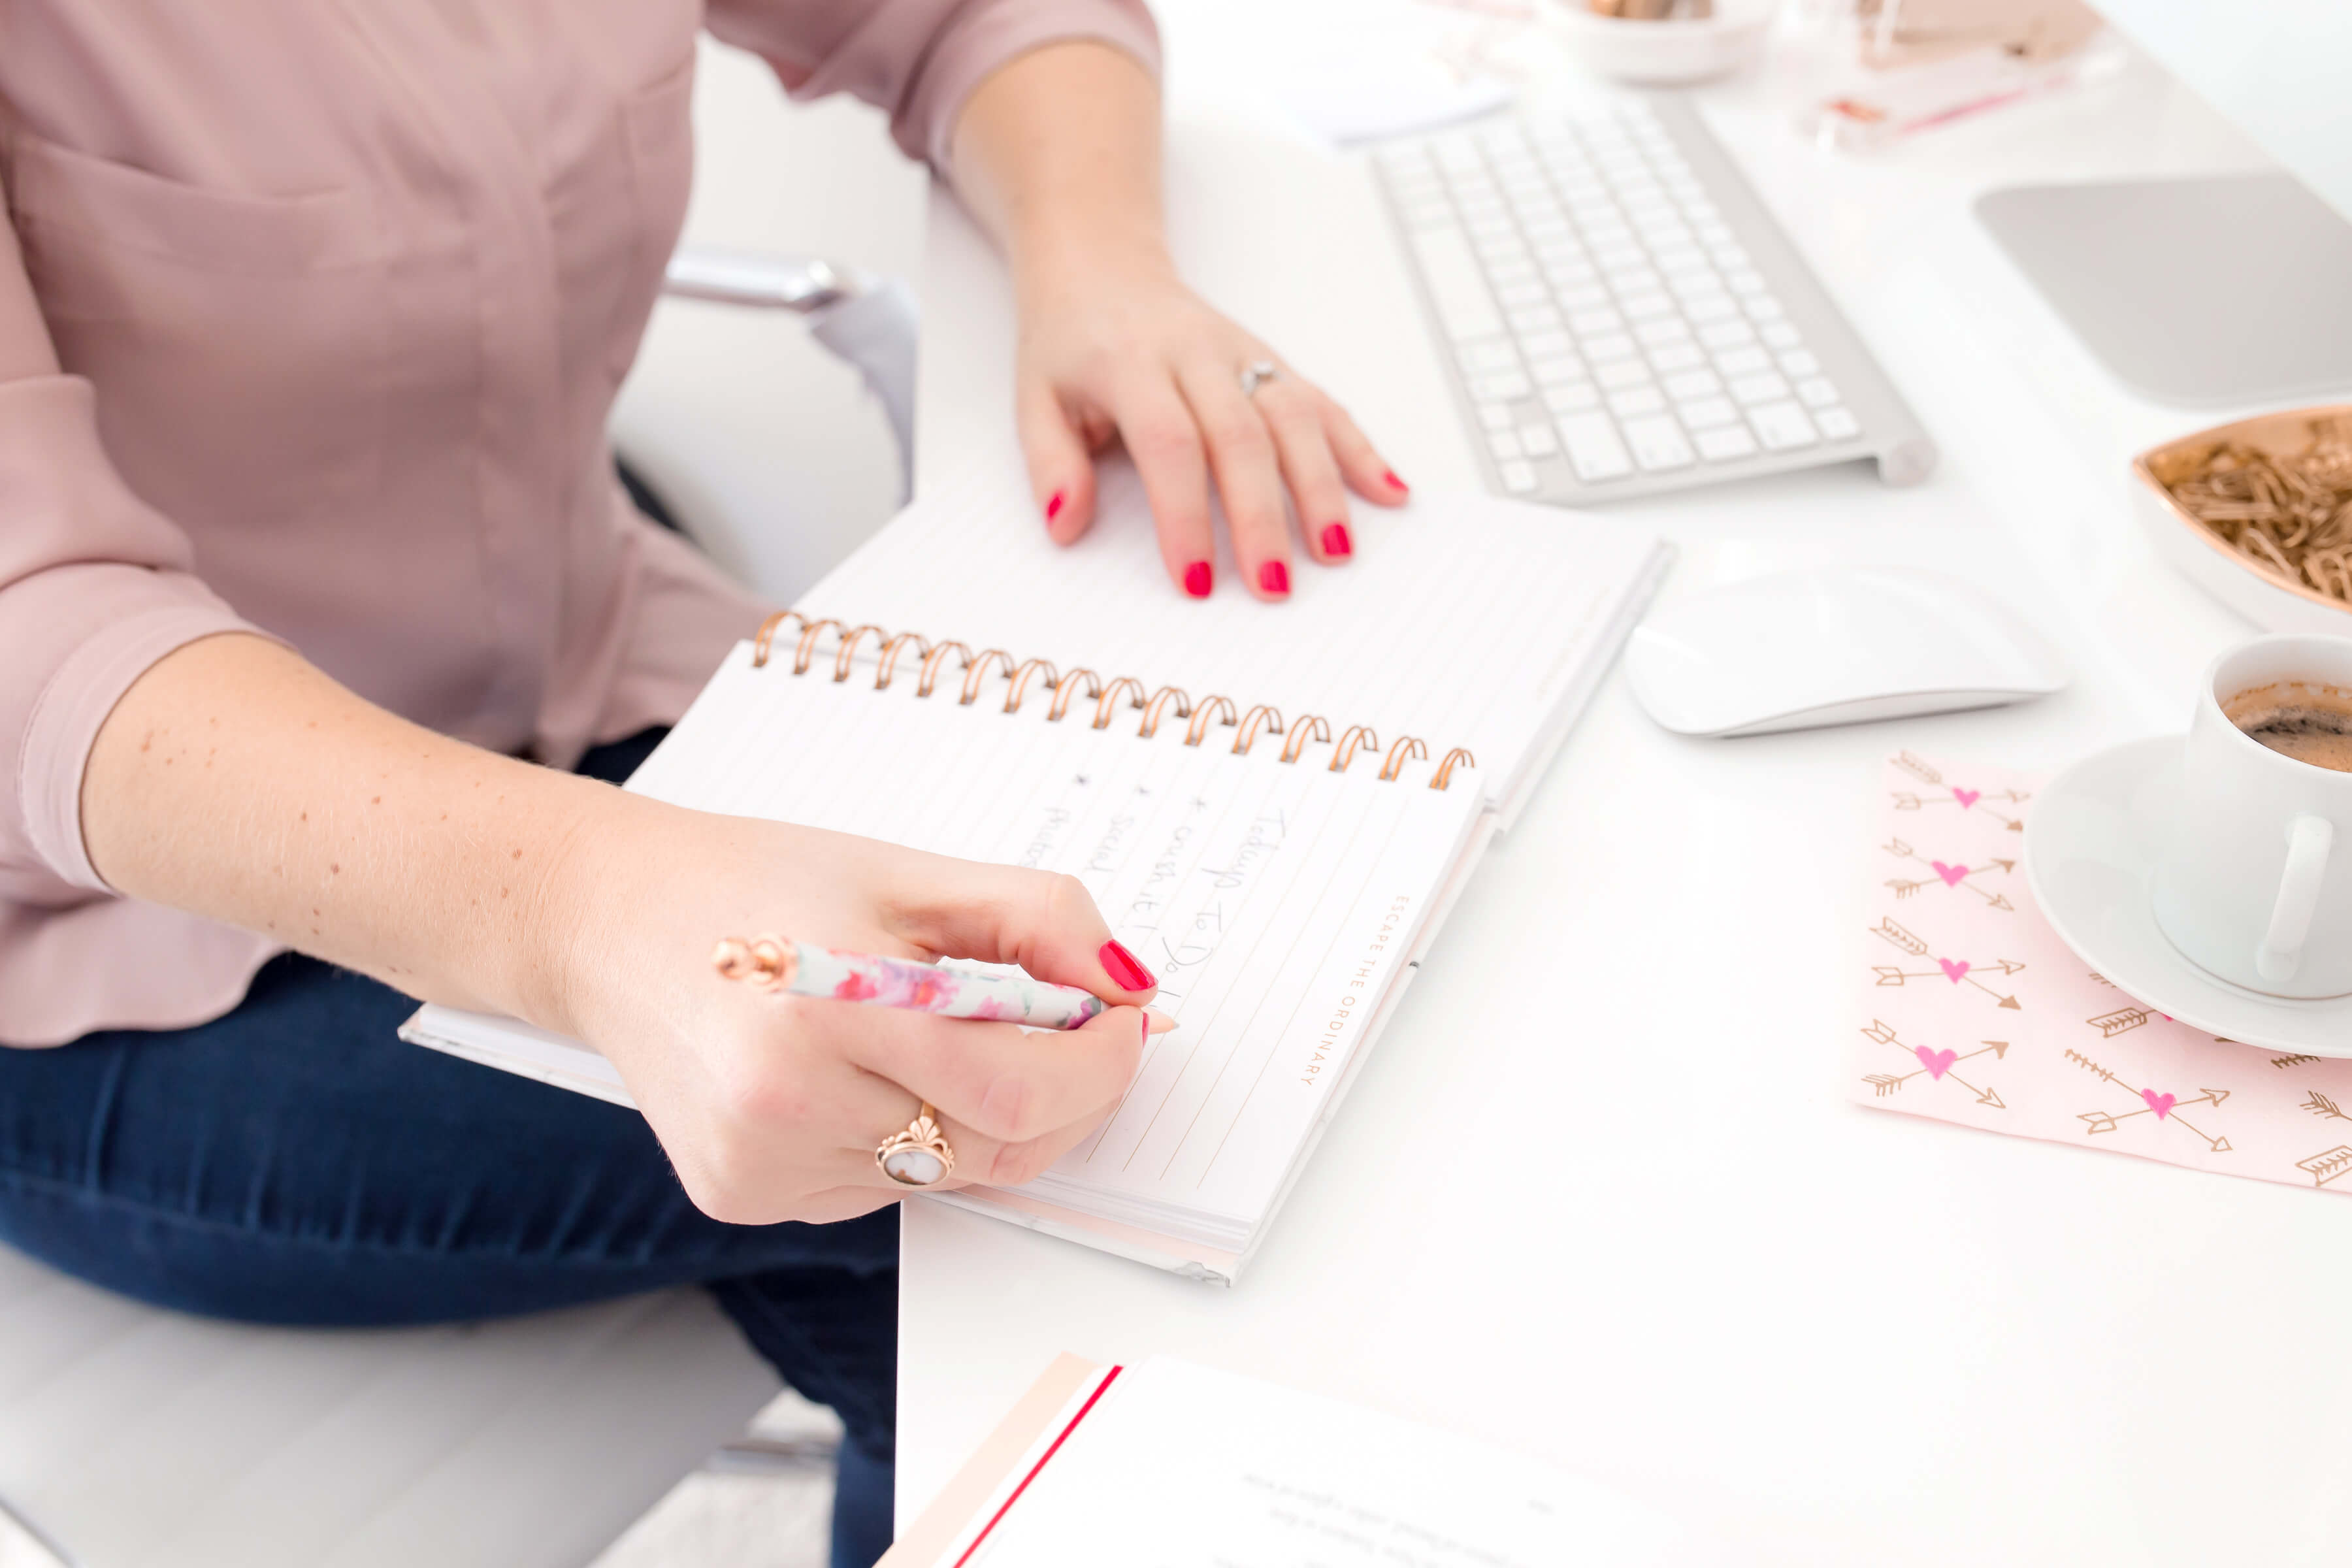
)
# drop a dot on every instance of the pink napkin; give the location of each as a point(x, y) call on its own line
point(1973, 1011)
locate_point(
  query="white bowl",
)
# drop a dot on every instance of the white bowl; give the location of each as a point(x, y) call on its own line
point(1664, 52)
point(2265, 597)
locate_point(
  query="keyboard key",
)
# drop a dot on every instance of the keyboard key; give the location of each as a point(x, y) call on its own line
point(1710, 308)
point(1592, 323)
point(1428, 215)
point(1512, 273)
point(1744, 281)
point(1728, 255)
point(1657, 444)
point(1667, 237)
point(1539, 346)
point(1494, 415)
point(1518, 295)
point(1764, 308)
point(1609, 346)
point(1635, 280)
point(1704, 413)
point(1488, 354)
point(1636, 400)
point(1534, 319)
point(1545, 225)
point(1593, 447)
point(1617, 258)
point(1675, 258)
point(1814, 391)
point(1672, 357)
point(1667, 330)
point(1727, 334)
point(1711, 232)
point(1538, 440)
point(1559, 368)
point(1648, 305)
point(1781, 335)
point(1755, 389)
point(1697, 284)
point(1573, 397)
point(1692, 384)
point(1588, 297)
point(1723, 446)
point(1743, 362)
point(1797, 361)
point(1566, 275)
point(1623, 373)
point(1837, 425)
point(1517, 478)
point(1503, 443)
point(1511, 384)
point(1781, 426)
point(1450, 271)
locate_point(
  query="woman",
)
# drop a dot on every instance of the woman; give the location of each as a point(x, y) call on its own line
point(310, 321)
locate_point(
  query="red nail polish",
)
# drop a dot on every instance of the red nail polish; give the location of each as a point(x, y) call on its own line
point(1123, 969)
point(1147, 1029)
point(1336, 541)
point(1197, 579)
point(1395, 483)
point(1054, 506)
point(1273, 577)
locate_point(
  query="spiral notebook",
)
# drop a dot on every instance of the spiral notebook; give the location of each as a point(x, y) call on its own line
point(1273, 804)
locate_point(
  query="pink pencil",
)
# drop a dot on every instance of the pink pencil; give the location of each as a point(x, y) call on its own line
point(779, 964)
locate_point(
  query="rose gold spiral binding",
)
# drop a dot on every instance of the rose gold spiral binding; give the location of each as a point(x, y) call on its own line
point(1159, 701)
point(765, 637)
point(1306, 728)
point(1209, 706)
point(805, 649)
point(1355, 734)
point(890, 652)
point(937, 657)
point(1021, 677)
point(1108, 702)
point(977, 671)
point(1263, 714)
point(1403, 752)
point(1445, 769)
point(1210, 710)
point(1067, 688)
point(848, 651)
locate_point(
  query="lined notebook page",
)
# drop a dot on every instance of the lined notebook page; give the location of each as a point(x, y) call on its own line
point(1464, 619)
point(1275, 900)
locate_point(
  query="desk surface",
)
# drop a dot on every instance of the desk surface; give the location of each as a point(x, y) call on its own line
point(1852, 1336)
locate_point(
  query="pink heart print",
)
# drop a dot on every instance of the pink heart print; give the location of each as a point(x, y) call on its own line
point(1954, 968)
point(1938, 1063)
point(1952, 875)
point(1967, 797)
point(2161, 1103)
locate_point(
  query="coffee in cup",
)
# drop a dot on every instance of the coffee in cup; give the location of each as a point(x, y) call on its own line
point(2308, 720)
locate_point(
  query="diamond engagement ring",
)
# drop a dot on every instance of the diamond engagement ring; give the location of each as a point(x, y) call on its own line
point(919, 1156)
point(1256, 374)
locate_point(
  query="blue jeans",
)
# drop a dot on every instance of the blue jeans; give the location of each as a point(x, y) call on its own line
point(295, 1162)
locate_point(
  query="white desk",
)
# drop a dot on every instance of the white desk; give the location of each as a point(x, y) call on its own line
point(1854, 1336)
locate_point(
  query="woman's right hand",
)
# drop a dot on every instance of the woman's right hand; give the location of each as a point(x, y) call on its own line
point(771, 1106)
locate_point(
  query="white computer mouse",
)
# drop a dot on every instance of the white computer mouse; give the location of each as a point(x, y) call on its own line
point(1798, 650)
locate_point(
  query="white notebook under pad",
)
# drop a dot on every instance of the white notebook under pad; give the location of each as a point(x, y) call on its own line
point(1282, 901)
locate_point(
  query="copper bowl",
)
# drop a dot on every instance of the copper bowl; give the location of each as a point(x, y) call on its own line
point(2256, 590)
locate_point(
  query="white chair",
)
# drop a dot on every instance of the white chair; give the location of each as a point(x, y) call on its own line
point(131, 1438)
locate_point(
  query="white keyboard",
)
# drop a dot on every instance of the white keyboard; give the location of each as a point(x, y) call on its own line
point(1621, 315)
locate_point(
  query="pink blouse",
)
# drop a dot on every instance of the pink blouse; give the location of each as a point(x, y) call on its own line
point(310, 317)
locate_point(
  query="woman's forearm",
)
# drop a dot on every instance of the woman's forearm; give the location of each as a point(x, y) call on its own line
point(236, 781)
point(1057, 153)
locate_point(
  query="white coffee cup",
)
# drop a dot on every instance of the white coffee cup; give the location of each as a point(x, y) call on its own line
point(2253, 881)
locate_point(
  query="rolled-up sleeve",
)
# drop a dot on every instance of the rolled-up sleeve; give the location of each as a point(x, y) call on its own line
point(95, 586)
point(919, 60)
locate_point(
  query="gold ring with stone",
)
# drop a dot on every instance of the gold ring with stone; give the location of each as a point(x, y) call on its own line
point(919, 1156)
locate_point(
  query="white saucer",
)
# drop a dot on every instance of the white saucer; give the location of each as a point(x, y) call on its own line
point(2089, 853)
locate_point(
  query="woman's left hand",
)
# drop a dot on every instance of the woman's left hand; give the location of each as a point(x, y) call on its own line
point(1120, 348)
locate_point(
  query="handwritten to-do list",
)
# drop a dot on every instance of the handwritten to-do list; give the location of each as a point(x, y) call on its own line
point(1972, 1009)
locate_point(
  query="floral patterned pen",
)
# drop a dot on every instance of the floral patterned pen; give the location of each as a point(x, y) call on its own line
point(778, 964)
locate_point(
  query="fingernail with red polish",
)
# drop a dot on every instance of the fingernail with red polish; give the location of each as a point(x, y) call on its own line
point(1273, 577)
point(1054, 506)
point(1123, 969)
point(1336, 541)
point(1197, 579)
point(1395, 483)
